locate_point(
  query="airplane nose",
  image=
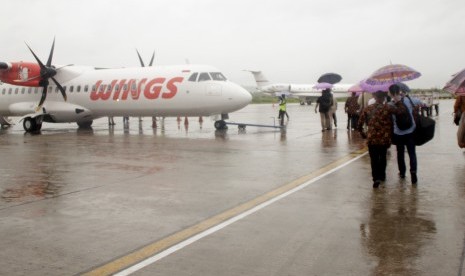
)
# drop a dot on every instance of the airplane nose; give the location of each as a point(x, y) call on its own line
point(241, 96)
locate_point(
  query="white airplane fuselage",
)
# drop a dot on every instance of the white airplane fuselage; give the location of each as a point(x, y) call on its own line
point(305, 92)
point(148, 91)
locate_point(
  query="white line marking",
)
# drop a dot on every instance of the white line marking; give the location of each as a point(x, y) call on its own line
point(228, 222)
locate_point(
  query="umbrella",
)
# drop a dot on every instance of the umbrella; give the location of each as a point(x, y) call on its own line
point(355, 89)
point(372, 88)
point(403, 87)
point(457, 84)
point(331, 78)
point(393, 73)
point(323, 85)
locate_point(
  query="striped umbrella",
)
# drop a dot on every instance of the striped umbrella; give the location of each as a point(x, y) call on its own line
point(457, 84)
point(393, 73)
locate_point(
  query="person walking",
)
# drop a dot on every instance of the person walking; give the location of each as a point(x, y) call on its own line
point(378, 119)
point(111, 121)
point(404, 138)
point(333, 110)
point(323, 105)
point(352, 107)
point(282, 109)
point(459, 119)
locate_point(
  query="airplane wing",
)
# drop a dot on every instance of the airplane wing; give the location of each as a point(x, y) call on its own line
point(52, 111)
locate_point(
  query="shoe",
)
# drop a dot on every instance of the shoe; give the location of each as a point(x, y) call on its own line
point(376, 184)
point(414, 178)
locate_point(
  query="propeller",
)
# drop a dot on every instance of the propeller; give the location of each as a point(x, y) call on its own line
point(47, 71)
point(142, 62)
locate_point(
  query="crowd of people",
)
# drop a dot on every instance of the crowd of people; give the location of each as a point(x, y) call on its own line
point(375, 117)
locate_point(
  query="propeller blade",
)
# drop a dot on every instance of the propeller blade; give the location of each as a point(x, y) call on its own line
point(42, 66)
point(62, 90)
point(153, 57)
point(141, 62)
point(49, 61)
point(63, 66)
point(42, 99)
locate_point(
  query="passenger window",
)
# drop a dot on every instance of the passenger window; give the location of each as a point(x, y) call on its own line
point(204, 77)
point(16, 90)
point(117, 87)
point(86, 88)
point(71, 88)
point(102, 88)
point(9, 90)
point(193, 77)
point(217, 76)
point(125, 87)
point(29, 90)
point(50, 89)
point(109, 88)
point(133, 86)
point(78, 88)
point(23, 90)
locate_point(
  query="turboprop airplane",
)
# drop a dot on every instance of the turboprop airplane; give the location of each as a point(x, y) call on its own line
point(88, 93)
point(305, 92)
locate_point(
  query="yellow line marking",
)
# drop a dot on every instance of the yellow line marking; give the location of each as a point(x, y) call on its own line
point(161, 245)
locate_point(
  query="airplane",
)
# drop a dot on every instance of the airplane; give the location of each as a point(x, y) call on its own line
point(88, 93)
point(305, 92)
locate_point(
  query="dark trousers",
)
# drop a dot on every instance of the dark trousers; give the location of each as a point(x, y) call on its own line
point(378, 161)
point(352, 120)
point(402, 142)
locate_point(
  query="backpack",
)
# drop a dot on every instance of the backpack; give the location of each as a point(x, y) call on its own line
point(325, 104)
point(403, 117)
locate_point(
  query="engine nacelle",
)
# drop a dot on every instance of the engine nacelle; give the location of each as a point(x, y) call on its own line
point(5, 66)
point(20, 73)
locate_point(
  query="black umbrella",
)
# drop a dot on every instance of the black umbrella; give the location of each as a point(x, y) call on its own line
point(330, 78)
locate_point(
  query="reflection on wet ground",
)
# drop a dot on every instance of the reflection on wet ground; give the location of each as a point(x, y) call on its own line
point(92, 195)
point(395, 231)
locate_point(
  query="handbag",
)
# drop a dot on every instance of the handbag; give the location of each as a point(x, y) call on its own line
point(425, 126)
point(424, 130)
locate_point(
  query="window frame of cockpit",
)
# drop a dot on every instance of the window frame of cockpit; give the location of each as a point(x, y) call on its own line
point(203, 74)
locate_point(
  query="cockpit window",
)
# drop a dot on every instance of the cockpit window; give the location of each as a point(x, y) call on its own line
point(193, 77)
point(204, 77)
point(217, 76)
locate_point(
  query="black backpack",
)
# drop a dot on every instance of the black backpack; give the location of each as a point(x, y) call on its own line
point(403, 116)
point(325, 103)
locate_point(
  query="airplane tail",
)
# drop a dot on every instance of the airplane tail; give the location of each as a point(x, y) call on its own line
point(260, 79)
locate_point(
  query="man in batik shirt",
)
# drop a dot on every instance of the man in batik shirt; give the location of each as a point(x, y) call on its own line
point(351, 108)
point(378, 118)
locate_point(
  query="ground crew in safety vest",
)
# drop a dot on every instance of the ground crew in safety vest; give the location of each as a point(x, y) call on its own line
point(282, 107)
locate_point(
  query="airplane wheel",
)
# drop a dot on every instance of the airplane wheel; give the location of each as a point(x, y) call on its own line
point(86, 124)
point(220, 124)
point(29, 124)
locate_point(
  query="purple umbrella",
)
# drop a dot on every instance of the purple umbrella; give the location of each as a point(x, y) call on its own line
point(355, 89)
point(323, 85)
point(393, 73)
point(372, 88)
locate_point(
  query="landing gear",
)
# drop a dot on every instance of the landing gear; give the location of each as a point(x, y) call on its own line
point(220, 124)
point(85, 124)
point(32, 124)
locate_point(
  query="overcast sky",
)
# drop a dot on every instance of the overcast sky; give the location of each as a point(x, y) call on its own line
point(290, 41)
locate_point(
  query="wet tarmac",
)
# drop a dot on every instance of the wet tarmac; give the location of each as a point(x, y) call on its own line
point(294, 202)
